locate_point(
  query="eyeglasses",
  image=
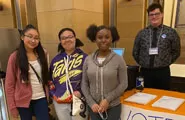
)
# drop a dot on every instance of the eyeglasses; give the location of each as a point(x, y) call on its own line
point(30, 37)
point(67, 37)
point(155, 14)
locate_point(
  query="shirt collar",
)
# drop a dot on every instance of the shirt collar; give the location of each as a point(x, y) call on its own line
point(159, 27)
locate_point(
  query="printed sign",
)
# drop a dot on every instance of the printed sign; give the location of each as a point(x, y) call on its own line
point(133, 113)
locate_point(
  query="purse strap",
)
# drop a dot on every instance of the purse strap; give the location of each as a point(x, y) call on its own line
point(38, 77)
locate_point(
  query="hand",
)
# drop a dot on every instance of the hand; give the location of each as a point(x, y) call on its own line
point(15, 118)
point(104, 104)
point(101, 109)
point(14, 114)
point(77, 94)
point(95, 108)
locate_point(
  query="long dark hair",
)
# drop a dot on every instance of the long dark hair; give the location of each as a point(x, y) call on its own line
point(93, 29)
point(78, 42)
point(22, 59)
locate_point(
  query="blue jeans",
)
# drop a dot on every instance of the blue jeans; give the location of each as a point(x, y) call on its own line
point(113, 113)
point(38, 108)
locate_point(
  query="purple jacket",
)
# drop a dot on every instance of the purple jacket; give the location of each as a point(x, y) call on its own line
point(57, 85)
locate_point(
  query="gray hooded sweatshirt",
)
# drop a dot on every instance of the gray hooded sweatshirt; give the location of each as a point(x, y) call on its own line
point(104, 81)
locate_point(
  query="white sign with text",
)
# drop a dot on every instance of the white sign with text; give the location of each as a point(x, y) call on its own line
point(134, 113)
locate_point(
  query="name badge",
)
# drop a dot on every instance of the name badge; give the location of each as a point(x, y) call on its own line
point(153, 51)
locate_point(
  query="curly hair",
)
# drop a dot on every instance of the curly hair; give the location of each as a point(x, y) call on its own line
point(93, 29)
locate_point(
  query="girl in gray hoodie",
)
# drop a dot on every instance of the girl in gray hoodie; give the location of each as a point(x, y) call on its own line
point(104, 75)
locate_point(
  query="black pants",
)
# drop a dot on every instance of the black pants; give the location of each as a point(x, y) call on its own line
point(158, 78)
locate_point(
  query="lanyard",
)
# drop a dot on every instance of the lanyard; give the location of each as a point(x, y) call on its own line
point(104, 115)
point(158, 37)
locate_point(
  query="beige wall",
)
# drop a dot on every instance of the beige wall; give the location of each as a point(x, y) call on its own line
point(170, 8)
point(181, 59)
point(130, 19)
point(180, 30)
point(54, 15)
point(6, 17)
point(168, 12)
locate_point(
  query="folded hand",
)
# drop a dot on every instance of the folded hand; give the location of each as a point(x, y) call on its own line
point(95, 108)
point(104, 104)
